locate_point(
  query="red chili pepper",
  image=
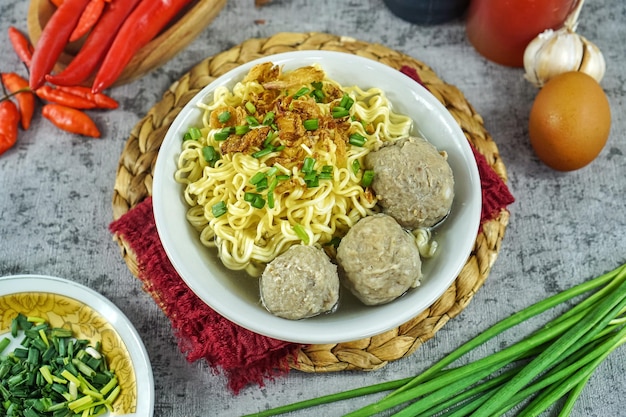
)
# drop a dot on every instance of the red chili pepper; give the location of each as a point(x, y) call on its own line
point(57, 96)
point(101, 100)
point(96, 45)
point(9, 119)
point(21, 45)
point(18, 86)
point(88, 19)
point(143, 24)
point(57, 3)
point(71, 120)
point(53, 39)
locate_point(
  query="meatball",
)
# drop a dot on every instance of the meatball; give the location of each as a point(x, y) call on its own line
point(379, 260)
point(302, 282)
point(413, 182)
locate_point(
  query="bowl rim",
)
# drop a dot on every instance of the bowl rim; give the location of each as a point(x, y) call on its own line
point(332, 328)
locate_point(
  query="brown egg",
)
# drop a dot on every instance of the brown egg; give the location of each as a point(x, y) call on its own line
point(569, 121)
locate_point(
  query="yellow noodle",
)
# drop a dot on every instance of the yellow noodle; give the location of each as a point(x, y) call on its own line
point(247, 238)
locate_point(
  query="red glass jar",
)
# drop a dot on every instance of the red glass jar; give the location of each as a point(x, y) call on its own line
point(500, 30)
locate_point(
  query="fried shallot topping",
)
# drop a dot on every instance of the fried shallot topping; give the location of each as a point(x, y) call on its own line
point(279, 97)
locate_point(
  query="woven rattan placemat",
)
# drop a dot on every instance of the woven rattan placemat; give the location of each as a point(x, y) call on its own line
point(133, 183)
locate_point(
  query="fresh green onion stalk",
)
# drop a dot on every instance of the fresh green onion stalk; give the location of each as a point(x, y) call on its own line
point(546, 369)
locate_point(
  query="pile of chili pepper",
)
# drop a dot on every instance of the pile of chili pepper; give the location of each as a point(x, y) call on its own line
point(112, 32)
point(62, 105)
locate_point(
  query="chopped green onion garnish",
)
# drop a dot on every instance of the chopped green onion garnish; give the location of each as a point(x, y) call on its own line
point(262, 185)
point(270, 192)
point(255, 199)
point(44, 338)
point(308, 164)
point(272, 171)
point(195, 133)
point(108, 386)
point(339, 112)
point(211, 156)
point(46, 373)
point(270, 138)
point(223, 134)
point(263, 152)
point(14, 327)
point(192, 134)
point(21, 353)
point(318, 95)
point(313, 183)
point(252, 121)
point(208, 152)
point(249, 197)
point(223, 117)
point(357, 139)
point(219, 209)
point(301, 233)
point(346, 102)
point(83, 368)
point(268, 119)
point(4, 343)
point(59, 332)
point(273, 184)
point(356, 166)
point(327, 168)
point(33, 356)
point(312, 180)
point(283, 177)
point(258, 202)
point(242, 130)
point(368, 177)
point(250, 107)
point(311, 124)
point(82, 401)
point(113, 395)
point(301, 92)
point(325, 175)
point(24, 322)
point(256, 178)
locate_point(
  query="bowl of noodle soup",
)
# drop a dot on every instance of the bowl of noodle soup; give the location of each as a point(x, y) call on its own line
point(220, 261)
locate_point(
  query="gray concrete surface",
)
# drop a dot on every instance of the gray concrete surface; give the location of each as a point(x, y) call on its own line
point(56, 188)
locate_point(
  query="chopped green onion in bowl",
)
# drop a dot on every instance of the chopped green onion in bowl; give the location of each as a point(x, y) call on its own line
point(51, 373)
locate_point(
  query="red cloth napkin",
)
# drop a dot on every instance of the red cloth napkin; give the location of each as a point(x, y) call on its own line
point(244, 357)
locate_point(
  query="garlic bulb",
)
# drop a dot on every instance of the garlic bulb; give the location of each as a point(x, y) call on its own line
point(555, 52)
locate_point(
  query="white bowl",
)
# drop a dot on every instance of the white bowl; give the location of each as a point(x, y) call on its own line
point(235, 295)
